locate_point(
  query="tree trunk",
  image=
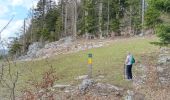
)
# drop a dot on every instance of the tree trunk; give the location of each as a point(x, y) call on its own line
point(24, 37)
point(85, 19)
point(65, 19)
point(143, 9)
point(130, 30)
point(62, 15)
point(100, 18)
point(43, 17)
point(75, 19)
point(108, 17)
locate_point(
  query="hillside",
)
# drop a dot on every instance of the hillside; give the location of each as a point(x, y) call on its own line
point(108, 64)
point(105, 58)
point(76, 50)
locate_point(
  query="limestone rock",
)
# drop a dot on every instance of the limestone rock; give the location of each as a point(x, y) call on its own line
point(85, 84)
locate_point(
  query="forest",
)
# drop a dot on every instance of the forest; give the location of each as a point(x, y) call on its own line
point(49, 21)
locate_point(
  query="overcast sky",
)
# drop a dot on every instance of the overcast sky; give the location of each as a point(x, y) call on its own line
point(17, 8)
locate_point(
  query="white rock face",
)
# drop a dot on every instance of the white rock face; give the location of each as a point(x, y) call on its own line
point(32, 50)
point(63, 46)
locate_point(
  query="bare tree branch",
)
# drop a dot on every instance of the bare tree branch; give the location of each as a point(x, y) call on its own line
point(6, 26)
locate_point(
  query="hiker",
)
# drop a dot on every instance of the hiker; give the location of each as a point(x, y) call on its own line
point(129, 62)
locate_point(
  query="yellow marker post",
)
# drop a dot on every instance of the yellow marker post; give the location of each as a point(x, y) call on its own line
point(89, 60)
point(90, 65)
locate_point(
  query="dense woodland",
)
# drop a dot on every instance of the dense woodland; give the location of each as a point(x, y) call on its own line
point(49, 21)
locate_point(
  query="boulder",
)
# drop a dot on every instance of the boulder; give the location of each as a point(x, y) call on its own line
point(85, 85)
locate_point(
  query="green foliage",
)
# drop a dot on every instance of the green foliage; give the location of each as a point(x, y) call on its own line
point(59, 28)
point(115, 25)
point(45, 34)
point(91, 22)
point(152, 17)
point(153, 14)
point(51, 18)
point(114, 16)
point(161, 5)
point(163, 32)
point(48, 19)
point(44, 21)
point(15, 48)
point(134, 10)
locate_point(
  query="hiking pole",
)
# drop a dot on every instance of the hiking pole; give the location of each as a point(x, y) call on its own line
point(124, 71)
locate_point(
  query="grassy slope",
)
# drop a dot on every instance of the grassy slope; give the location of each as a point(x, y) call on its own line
point(107, 61)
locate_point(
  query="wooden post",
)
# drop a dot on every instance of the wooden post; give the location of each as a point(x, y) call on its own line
point(90, 65)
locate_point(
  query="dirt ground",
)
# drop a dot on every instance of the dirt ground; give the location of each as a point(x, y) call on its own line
point(152, 88)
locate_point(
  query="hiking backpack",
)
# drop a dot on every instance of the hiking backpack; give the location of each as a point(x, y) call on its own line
point(132, 60)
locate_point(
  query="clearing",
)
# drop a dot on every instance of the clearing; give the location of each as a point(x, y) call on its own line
point(108, 62)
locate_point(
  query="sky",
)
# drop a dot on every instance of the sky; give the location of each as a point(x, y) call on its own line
point(17, 8)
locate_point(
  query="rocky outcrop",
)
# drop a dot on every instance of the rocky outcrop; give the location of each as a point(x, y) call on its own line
point(32, 51)
point(85, 85)
point(63, 46)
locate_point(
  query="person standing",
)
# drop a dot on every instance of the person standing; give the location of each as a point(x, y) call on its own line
point(129, 63)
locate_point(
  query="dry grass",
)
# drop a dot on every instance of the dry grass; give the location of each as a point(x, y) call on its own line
point(152, 88)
